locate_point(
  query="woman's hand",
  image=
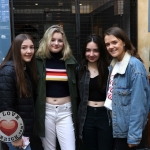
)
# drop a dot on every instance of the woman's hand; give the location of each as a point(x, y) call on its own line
point(132, 145)
point(19, 143)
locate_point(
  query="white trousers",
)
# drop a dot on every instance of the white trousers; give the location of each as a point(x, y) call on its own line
point(58, 122)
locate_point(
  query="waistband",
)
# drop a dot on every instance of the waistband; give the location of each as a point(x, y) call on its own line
point(58, 106)
point(96, 108)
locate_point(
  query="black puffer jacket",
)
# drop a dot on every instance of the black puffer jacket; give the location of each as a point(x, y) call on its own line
point(10, 100)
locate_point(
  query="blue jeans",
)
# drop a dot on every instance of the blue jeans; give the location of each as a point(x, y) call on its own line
point(16, 148)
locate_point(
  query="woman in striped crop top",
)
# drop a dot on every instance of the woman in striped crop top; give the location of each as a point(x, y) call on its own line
point(56, 101)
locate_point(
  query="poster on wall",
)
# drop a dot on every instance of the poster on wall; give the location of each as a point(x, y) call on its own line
point(5, 31)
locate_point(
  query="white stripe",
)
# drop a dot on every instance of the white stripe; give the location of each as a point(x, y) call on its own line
point(56, 70)
point(59, 77)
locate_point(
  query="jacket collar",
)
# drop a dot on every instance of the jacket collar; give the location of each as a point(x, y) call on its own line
point(86, 67)
point(70, 60)
point(124, 63)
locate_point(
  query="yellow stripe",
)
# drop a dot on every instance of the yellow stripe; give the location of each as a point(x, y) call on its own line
point(56, 79)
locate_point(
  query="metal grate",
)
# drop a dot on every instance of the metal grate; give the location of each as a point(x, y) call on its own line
point(78, 19)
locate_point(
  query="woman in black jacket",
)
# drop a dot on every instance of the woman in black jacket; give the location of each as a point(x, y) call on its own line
point(93, 118)
point(17, 82)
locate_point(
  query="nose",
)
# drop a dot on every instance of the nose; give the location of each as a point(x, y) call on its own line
point(91, 53)
point(56, 42)
point(111, 46)
point(29, 50)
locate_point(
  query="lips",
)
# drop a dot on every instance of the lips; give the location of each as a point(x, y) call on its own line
point(56, 47)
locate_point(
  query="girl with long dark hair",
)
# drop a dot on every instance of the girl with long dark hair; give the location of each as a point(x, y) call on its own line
point(17, 84)
point(93, 118)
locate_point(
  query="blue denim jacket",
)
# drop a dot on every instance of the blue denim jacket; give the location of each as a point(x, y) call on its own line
point(130, 99)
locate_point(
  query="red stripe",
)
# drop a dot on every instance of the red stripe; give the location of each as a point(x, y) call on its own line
point(56, 74)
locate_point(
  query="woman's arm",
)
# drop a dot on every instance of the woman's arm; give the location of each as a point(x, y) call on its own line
point(8, 89)
point(139, 108)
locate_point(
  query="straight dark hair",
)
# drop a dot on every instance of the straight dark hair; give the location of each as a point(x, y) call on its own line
point(14, 54)
point(102, 62)
point(120, 34)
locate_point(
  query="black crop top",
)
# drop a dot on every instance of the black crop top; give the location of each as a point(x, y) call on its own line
point(95, 94)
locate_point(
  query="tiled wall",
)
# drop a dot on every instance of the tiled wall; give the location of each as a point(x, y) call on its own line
point(143, 34)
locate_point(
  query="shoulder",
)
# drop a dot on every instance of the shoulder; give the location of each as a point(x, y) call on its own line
point(135, 62)
point(40, 61)
point(8, 69)
point(71, 60)
point(137, 66)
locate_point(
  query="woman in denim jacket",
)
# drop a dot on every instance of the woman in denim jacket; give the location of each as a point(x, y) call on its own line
point(128, 90)
point(93, 118)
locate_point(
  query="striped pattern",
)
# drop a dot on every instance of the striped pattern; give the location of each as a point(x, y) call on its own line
point(56, 75)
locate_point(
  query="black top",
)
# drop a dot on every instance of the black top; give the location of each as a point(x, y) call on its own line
point(56, 88)
point(95, 94)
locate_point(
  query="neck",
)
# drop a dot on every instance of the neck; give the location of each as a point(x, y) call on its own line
point(92, 65)
point(56, 55)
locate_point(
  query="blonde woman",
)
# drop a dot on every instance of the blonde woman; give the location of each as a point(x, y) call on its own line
point(56, 102)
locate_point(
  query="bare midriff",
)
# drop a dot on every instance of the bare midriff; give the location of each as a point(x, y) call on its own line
point(95, 104)
point(58, 101)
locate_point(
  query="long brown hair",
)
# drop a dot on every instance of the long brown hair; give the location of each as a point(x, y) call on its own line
point(102, 62)
point(120, 34)
point(14, 54)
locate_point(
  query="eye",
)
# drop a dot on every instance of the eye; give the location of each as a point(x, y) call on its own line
point(96, 50)
point(60, 40)
point(32, 47)
point(107, 44)
point(87, 50)
point(114, 42)
point(23, 47)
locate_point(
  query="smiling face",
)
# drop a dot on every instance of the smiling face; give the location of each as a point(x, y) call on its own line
point(56, 43)
point(27, 50)
point(115, 47)
point(92, 53)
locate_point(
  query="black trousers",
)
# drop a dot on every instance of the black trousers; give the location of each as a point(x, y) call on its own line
point(97, 133)
point(121, 144)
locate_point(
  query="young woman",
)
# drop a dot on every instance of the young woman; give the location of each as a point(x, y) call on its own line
point(56, 104)
point(17, 82)
point(93, 118)
point(128, 90)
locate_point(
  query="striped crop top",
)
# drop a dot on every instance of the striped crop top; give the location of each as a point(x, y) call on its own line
point(56, 77)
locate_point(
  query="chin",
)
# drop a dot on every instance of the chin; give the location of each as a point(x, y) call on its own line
point(93, 61)
point(27, 60)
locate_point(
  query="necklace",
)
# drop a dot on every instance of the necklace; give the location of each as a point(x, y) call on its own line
point(24, 67)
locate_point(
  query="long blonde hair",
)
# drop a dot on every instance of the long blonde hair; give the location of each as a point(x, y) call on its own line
point(43, 50)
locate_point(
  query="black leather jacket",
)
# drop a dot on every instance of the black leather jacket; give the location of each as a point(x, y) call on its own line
point(83, 85)
point(10, 100)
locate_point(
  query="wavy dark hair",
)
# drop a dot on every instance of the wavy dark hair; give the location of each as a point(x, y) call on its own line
point(102, 62)
point(14, 54)
point(120, 34)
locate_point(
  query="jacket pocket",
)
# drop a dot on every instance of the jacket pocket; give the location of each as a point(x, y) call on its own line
point(124, 96)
